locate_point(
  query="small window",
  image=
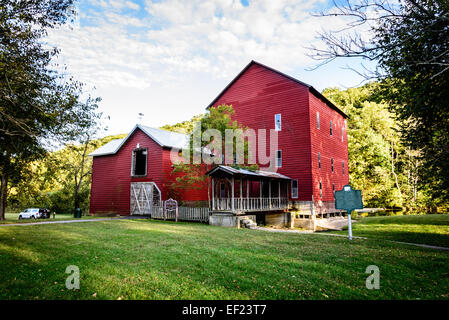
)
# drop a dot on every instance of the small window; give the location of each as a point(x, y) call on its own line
point(139, 164)
point(317, 120)
point(294, 188)
point(321, 190)
point(279, 158)
point(342, 133)
point(331, 127)
point(343, 166)
point(277, 122)
point(319, 160)
point(332, 164)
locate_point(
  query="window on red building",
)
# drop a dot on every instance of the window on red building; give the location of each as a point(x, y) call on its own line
point(294, 188)
point(139, 164)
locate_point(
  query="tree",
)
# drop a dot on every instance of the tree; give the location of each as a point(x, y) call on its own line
point(191, 175)
point(409, 41)
point(376, 155)
point(50, 181)
point(38, 104)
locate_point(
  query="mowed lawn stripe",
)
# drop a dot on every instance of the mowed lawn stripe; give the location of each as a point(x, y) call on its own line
point(146, 259)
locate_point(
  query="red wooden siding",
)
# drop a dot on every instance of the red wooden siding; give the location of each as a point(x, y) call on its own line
point(258, 94)
point(329, 147)
point(111, 176)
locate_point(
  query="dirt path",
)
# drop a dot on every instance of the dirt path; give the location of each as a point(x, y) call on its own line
point(354, 237)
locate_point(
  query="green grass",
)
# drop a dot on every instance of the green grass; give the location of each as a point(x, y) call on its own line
point(145, 259)
point(14, 218)
point(431, 229)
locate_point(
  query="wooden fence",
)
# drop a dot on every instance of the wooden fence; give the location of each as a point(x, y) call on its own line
point(184, 214)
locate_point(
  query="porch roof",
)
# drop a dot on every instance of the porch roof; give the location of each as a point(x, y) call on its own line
point(226, 170)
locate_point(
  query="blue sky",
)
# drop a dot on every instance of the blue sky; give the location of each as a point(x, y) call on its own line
point(169, 59)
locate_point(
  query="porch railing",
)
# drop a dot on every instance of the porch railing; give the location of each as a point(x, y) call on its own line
point(249, 204)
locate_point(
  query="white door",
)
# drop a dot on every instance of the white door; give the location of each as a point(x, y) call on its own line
point(144, 195)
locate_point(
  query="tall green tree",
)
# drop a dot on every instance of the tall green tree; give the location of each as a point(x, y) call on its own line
point(38, 104)
point(409, 42)
point(191, 175)
point(379, 163)
point(58, 180)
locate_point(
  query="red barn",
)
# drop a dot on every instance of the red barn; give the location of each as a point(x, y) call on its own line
point(312, 141)
point(130, 175)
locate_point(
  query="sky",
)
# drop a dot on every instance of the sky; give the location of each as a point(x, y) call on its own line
point(169, 59)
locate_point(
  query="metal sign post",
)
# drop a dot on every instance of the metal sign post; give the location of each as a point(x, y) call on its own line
point(349, 226)
point(349, 200)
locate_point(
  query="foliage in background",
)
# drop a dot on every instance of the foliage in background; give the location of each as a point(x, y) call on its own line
point(39, 104)
point(408, 43)
point(51, 182)
point(185, 127)
point(379, 163)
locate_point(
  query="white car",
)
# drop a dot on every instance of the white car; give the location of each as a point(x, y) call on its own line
point(30, 213)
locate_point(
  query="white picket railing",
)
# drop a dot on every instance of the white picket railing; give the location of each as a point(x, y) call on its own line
point(184, 214)
point(249, 204)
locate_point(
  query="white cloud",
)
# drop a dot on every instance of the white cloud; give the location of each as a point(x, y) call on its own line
point(185, 36)
point(180, 52)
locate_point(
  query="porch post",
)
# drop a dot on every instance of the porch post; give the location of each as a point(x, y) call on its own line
point(247, 192)
point(269, 192)
point(232, 197)
point(279, 192)
point(213, 194)
point(241, 196)
point(260, 194)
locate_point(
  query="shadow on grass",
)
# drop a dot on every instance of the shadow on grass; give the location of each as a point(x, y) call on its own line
point(166, 260)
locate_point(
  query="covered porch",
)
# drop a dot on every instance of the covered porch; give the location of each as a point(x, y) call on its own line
point(241, 191)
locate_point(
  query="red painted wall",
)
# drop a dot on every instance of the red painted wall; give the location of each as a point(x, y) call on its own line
point(330, 147)
point(111, 176)
point(258, 94)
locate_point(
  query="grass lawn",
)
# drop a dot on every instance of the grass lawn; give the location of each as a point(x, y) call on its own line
point(432, 229)
point(146, 259)
point(14, 218)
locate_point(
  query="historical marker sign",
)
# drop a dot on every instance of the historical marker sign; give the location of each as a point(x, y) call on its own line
point(348, 199)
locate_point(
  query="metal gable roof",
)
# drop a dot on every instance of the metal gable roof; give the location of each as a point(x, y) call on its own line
point(258, 173)
point(311, 89)
point(109, 148)
point(164, 138)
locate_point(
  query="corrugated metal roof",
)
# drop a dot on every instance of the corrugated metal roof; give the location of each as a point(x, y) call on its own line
point(109, 148)
point(164, 138)
point(258, 173)
point(312, 89)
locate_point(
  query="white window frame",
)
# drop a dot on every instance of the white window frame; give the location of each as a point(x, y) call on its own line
point(276, 127)
point(342, 134)
point(318, 120)
point(294, 194)
point(278, 159)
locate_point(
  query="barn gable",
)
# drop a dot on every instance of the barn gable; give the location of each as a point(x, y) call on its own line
point(311, 89)
point(164, 138)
